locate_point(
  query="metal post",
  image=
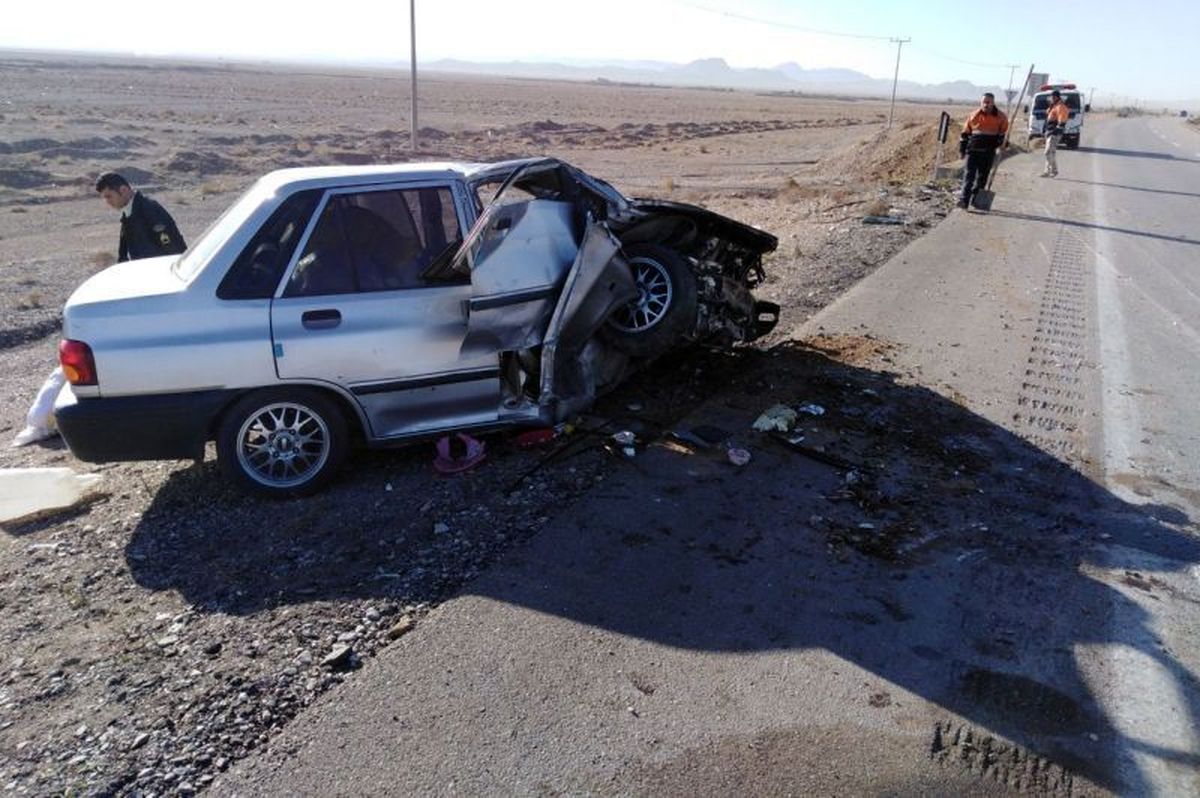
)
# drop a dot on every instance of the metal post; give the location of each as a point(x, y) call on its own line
point(896, 77)
point(412, 9)
point(1010, 93)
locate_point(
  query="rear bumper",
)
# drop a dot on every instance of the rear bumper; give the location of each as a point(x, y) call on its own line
point(158, 427)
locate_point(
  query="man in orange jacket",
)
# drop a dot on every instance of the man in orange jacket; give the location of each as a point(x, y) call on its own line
point(1056, 124)
point(981, 136)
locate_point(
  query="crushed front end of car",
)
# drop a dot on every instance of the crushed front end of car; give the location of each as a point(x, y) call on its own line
point(576, 285)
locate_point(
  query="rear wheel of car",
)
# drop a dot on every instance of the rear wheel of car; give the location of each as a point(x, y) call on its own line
point(282, 442)
point(665, 308)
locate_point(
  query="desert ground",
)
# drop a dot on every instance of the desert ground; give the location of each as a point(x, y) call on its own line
point(169, 627)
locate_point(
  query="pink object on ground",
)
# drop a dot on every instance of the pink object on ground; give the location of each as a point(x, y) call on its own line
point(470, 454)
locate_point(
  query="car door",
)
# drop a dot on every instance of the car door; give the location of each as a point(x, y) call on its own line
point(368, 305)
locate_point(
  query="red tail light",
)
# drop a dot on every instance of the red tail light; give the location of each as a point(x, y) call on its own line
point(77, 362)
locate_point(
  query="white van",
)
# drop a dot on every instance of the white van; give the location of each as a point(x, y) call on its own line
point(1041, 103)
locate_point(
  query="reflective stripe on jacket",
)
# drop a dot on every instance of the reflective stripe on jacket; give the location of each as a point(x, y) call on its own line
point(985, 131)
point(989, 124)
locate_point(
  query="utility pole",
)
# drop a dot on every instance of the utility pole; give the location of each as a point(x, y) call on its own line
point(1091, 95)
point(1012, 68)
point(412, 13)
point(896, 77)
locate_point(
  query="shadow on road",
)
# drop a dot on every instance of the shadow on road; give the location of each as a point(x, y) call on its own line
point(1073, 223)
point(946, 556)
point(1158, 156)
point(1061, 179)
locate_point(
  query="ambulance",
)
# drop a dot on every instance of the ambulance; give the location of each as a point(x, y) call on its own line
point(1041, 103)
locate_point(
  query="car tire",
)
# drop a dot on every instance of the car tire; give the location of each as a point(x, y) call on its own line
point(665, 310)
point(282, 442)
point(1072, 143)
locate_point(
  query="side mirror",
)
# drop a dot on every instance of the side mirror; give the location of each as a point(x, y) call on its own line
point(1087, 108)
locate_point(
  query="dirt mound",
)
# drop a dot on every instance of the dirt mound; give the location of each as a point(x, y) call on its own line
point(202, 163)
point(25, 178)
point(901, 155)
point(27, 145)
point(136, 176)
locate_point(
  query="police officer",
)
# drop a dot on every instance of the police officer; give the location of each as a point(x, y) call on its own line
point(147, 230)
point(982, 135)
point(1056, 124)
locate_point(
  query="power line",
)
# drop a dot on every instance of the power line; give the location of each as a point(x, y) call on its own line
point(778, 24)
point(945, 57)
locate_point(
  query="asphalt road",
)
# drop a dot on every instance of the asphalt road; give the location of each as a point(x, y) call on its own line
point(694, 628)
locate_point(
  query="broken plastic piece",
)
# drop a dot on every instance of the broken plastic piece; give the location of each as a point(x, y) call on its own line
point(532, 438)
point(739, 457)
point(811, 409)
point(27, 491)
point(458, 453)
point(779, 418)
point(624, 438)
point(710, 434)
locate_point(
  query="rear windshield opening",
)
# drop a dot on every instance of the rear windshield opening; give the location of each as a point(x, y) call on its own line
point(1042, 102)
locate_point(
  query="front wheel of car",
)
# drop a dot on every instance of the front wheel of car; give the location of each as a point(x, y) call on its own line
point(665, 308)
point(282, 442)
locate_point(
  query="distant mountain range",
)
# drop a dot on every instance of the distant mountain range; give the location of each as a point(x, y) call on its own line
point(715, 72)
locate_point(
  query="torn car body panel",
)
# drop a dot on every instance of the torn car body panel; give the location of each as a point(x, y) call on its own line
point(547, 273)
point(599, 283)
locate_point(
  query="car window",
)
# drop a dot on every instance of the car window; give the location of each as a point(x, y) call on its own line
point(219, 231)
point(379, 241)
point(256, 272)
point(1042, 102)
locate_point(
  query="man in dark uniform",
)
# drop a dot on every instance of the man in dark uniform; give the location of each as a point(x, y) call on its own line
point(147, 230)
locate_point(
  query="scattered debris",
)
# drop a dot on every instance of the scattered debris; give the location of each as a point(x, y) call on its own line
point(779, 418)
point(625, 440)
point(739, 457)
point(811, 408)
point(711, 435)
point(882, 220)
point(816, 454)
point(532, 438)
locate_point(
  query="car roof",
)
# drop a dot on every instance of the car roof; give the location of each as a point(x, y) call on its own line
point(331, 176)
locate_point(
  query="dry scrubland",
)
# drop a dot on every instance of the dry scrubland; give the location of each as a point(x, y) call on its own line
point(158, 634)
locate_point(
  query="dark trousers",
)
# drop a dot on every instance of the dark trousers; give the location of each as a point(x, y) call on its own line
point(979, 164)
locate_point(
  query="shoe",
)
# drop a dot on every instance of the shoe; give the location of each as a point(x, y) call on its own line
point(1044, 174)
point(32, 435)
point(962, 203)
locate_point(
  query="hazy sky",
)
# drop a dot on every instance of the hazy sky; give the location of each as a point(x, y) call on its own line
point(1121, 48)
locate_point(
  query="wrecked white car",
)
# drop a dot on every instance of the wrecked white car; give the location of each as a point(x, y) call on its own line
point(388, 304)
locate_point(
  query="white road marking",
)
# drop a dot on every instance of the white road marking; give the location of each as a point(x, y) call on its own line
point(1136, 689)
